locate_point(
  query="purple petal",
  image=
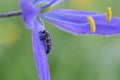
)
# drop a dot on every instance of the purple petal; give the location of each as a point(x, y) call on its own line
point(46, 1)
point(39, 25)
point(29, 12)
point(29, 1)
point(40, 56)
point(71, 15)
point(52, 3)
point(69, 11)
point(76, 22)
point(42, 1)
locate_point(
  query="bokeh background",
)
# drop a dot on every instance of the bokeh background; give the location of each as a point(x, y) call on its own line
point(72, 58)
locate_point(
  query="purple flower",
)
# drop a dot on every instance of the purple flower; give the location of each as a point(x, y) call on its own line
point(72, 21)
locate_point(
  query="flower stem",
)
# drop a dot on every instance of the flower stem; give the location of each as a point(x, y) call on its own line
point(11, 14)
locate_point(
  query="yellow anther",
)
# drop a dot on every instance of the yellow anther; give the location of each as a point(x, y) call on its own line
point(92, 24)
point(109, 14)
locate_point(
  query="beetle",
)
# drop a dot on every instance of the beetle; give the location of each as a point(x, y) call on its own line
point(46, 37)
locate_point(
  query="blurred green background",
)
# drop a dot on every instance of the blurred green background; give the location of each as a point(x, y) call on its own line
point(72, 57)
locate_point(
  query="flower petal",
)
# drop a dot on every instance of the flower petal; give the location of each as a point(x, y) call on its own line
point(76, 22)
point(40, 56)
point(70, 11)
point(52, 3)
point(29, 1)
point(46, 1)
point(71, 15)
point(29, 12)
point(42, 1)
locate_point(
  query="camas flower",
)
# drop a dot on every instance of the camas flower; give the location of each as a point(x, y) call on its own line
point(72, 21)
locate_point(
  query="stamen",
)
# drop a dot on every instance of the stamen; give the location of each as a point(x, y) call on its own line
point(92, 24)
point(109, 14)
point(47, 9)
